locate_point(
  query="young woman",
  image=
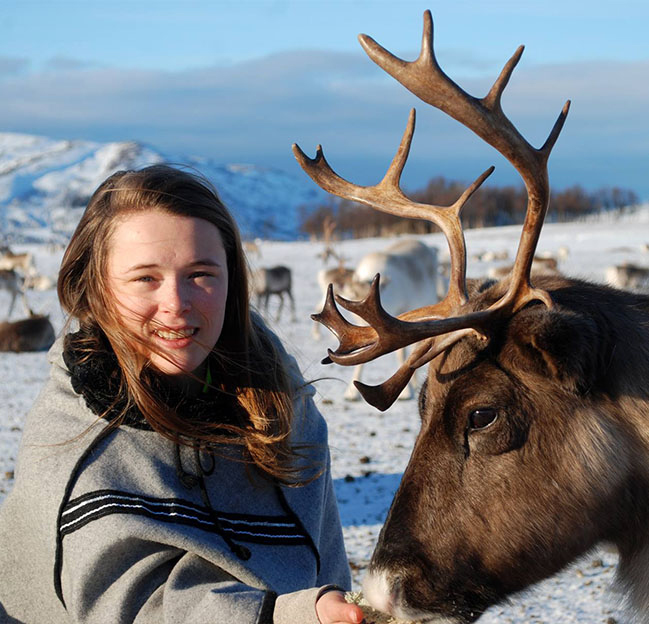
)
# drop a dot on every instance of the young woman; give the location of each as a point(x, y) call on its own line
point(174, 468)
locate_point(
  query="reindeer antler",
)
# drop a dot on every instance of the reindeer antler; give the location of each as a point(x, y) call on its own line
point(485, 117)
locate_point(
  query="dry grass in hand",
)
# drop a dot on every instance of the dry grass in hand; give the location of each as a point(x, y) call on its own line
point(372, 616)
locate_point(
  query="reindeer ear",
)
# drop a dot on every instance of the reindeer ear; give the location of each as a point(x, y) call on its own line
point(564, 345)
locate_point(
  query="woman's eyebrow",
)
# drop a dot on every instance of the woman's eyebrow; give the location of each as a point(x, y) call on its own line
point(138, 267)
point(154, 265)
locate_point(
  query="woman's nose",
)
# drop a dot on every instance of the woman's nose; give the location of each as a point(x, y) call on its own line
point(175, 297)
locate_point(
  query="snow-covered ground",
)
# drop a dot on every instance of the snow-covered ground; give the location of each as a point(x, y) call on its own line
point(370, 449)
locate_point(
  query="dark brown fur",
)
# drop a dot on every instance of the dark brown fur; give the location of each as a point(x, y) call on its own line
point(483, 513)
point(31, 334)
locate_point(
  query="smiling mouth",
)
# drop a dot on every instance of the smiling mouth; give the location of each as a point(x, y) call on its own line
point(175, 334)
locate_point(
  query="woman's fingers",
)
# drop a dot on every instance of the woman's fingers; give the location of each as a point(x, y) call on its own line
point(332, 608)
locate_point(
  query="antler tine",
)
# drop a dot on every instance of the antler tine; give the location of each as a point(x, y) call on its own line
point(429, 83)
point(385, 394)
point(556, 130)
point(362, 344)
point(359, 345)
point(384, 334)
point(348, 334)
point(493, 98)
point(387, 196)
point(389, 333)
point(485, 117)
point(457, 245)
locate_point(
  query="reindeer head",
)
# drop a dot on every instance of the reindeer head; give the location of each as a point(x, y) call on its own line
point(469, 524)
point(516, 470)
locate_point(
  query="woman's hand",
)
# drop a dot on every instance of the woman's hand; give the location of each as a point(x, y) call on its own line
point(332, 608)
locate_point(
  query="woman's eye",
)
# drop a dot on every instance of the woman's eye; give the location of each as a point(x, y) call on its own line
point(197, 275)
point(144, 278)
point(482, 418)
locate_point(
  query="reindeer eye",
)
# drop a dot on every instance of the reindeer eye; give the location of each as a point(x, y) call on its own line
point(482, 418)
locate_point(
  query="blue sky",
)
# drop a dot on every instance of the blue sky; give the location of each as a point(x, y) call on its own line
point(241, 80)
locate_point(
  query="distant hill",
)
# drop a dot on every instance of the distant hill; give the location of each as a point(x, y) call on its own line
point(46, 183)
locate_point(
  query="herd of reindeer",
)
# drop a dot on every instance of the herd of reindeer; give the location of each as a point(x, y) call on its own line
point(413, 274)
point(534, 440)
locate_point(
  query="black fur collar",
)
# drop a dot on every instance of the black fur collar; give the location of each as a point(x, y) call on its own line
point(98, 379)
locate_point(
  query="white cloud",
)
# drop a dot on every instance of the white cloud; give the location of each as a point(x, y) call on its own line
point(253, 111)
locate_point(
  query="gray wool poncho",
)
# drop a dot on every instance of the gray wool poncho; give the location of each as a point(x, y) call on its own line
point(104, 527)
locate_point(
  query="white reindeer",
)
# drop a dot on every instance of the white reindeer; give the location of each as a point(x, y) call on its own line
point(628, 276)
point(35, 281)
point(11, 261)
point(409, 279)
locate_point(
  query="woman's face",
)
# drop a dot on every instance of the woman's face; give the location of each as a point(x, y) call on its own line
point(168, 276)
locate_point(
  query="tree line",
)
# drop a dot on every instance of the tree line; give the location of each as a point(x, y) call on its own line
point(489, 206)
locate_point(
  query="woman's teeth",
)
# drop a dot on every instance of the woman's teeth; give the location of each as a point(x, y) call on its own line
point(175, 334)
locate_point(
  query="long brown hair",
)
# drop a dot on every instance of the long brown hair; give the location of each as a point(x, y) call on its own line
point(250, 370)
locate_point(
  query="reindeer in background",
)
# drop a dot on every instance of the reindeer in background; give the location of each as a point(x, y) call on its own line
point(18, 274)
point(13, 283)
point(534, 444)
point(328, 251)
point(10, 261)
point(276, 280)
point(35, 333)
point(338, 275)
point(628, 276)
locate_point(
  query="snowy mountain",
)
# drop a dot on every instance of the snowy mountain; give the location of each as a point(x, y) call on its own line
point(46, 183)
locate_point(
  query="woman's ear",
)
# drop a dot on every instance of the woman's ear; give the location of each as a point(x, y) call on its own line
point(561, 344)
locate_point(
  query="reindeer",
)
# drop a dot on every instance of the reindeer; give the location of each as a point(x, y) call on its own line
point(35, 281)
point(273, 281)
point(13, 284)
point(328, 227)
point(628, 276)
point(541, 265)
point(490, 256)
point(409, 271)
point(338, 275)
point(534, 443)
point(10, 261)
point(252, 248)
point(35, 333)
